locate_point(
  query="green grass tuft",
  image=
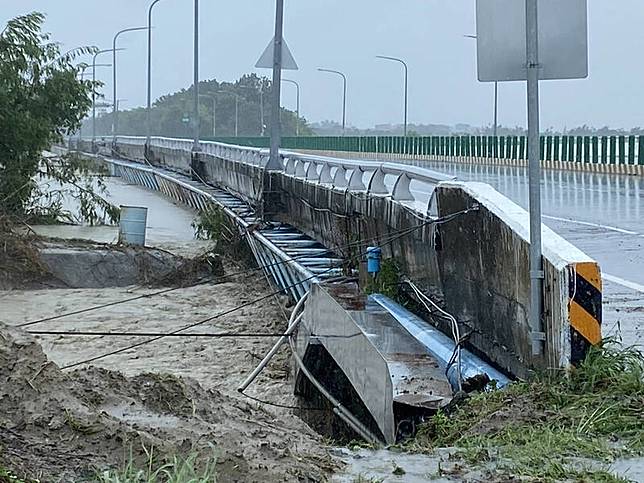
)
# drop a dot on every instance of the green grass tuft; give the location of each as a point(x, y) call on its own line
point(178, 470)
point(539, 428)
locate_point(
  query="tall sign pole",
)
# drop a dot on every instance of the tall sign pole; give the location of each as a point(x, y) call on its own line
point(534, 178)
point(274, 162)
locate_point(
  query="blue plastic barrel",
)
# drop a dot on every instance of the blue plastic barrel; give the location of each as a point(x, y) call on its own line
point(374, 255)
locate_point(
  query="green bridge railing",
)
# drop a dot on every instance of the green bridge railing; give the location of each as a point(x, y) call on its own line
point(627, 150)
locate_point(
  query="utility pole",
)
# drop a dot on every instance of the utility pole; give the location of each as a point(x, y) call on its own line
point(275, 162)
point(534, 174)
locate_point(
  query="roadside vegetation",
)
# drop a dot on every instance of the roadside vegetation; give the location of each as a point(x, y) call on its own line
point(178, 470)
point(565, 427)
point(43, 99)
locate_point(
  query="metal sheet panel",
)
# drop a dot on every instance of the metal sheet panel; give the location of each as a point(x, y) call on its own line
point(501, 39)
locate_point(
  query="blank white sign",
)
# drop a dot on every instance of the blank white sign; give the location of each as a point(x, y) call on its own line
point(501, 39)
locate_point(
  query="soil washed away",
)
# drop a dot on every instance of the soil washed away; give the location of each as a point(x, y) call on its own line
point(67, 425)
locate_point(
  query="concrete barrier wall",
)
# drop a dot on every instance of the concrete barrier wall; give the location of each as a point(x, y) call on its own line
point(483, 264)
point(477, 263)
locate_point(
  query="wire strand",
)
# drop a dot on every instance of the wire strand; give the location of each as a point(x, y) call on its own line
point(385, 240)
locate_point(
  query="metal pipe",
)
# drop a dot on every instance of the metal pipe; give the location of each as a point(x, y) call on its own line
point(274, 161)
point(293, 323)
point(297, 104)
point(114, 50)
point(395, 59)
point(344, 97)
point(149, 93)
point(534, 176)
point(196, 125)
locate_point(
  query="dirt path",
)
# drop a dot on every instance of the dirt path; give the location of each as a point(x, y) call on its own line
point(256, 442)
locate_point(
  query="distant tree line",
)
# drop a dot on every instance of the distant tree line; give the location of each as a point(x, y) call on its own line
point(239, 107)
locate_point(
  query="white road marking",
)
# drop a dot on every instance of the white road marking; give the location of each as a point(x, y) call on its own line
point(625, 283)
point(596, 225)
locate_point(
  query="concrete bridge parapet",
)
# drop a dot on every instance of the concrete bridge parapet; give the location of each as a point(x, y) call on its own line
point(474, 260)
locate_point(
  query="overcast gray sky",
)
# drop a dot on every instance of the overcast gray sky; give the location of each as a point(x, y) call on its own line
point(346, 35)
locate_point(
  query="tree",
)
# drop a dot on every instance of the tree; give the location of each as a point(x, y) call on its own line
point(41, 101)
point(248, 96)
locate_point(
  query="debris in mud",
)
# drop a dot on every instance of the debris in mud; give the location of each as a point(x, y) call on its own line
point(57, 426)
point(33, 262)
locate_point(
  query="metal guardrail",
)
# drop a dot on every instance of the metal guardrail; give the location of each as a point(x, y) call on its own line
point(615, 150)
point(293, 260)
point(352, 175)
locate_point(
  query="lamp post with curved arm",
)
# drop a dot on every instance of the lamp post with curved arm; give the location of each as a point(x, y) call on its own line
point(404, 64)
point(94, 65)
point(344, 97)
point(149, 94)
point(297, 104)
point(115, 121)
point(82, 74)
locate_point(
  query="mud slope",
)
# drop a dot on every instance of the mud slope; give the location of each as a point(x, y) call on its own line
point(60, 426)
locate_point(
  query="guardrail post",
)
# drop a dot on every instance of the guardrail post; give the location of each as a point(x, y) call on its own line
point(595, 149)
point(612, 156)
point(631, 149)
point(586, 149)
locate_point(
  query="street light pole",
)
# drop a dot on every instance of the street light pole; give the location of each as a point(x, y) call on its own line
point(404, 64)
point(344, 96)
point(149, 106)
point(261, 109)
point(496, 106)
point(94, 65)
point(274, 162)
point(195, 114)
point(84, 68)
point(297, 104)
point(115, 122)
point(534, 176)
point(236, 108)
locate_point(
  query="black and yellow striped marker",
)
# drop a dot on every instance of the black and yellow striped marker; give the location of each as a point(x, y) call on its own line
point(584, 308)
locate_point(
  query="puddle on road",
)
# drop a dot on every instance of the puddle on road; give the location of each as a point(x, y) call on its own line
point(391, 466)
point(139, 416)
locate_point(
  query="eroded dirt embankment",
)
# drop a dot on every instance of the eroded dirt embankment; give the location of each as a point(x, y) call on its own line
point(60, 426)
point(177, 395)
